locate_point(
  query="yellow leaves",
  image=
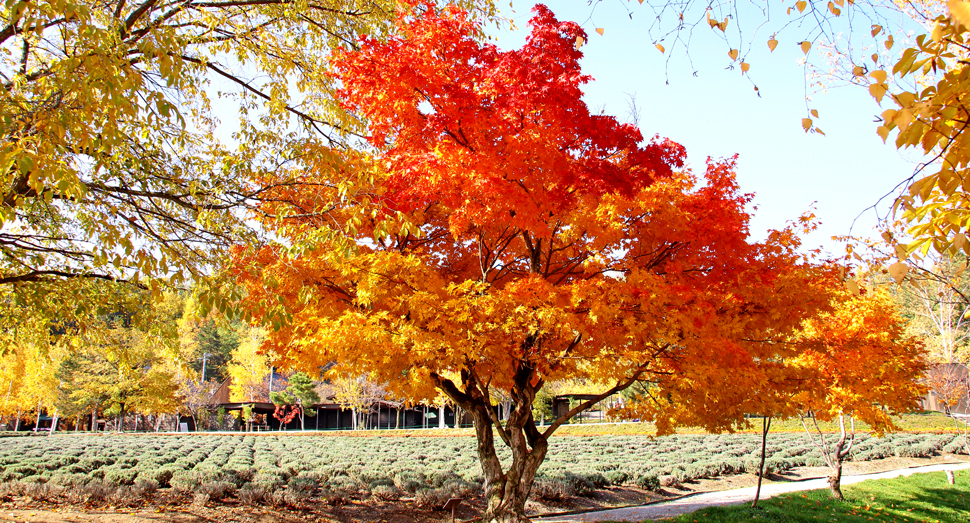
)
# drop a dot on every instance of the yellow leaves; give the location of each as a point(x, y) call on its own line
point(877, 91)
point(600, 30)
point(733, 53)
point(801, 5)
point(901, 252)
point(889, 42)
point(745, 67)
point(853, 287)
point(959, 11)
point(714, 23)
point(883, 132)
point(772, 44)
point(879, 88)
point(858, 71)
point(579, 42)
point(660, 48)
point(806, 46)
point(876, 29)
point(806, 124)
point(814, 113)
point(937, 34)
point(898, 271)
point(902, 119)
point(959, 241)
point(833, 9)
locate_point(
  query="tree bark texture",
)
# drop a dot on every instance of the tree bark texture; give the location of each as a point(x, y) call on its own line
point(765, 426)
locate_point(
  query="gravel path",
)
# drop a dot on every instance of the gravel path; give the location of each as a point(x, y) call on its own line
point(733, 497)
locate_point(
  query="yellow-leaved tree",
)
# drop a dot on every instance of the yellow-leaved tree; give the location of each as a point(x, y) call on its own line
point(248, 368)
point(113, 162)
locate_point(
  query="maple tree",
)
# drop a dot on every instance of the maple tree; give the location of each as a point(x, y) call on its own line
point(858, 363)
point(517, 239)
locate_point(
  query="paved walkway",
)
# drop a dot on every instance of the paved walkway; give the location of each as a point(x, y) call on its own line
point(733, 497)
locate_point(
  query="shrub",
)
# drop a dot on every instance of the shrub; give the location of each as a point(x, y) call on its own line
point(184, 481)
point(145, 488)
point(70, 480)
point(41, 491)
point(336, 497)
point(303, 485)
point(597, 479)
point(96, 492)
point(119, 476)
point(957, 446)
point(410, 480)
point(216, 490)
point(251, 495)
point(386, 493)
point(616, 477)
point(649, 482)
point(431, 499)
point(552, 490)
point(581, 485)
point(125, 496)
point(268, 482)
point(668, 481)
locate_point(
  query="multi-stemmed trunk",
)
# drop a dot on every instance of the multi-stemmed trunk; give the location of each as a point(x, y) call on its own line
point(835, 455)
point(506, 491)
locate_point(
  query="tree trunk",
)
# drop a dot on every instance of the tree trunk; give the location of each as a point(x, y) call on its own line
point(441, 417)
point(841, 451)
point(507, 492)
point(835, 481)
point(765, 425)
point(16, 425)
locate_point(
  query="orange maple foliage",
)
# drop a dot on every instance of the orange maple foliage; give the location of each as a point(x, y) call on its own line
point(857, 363)
point(545, 243)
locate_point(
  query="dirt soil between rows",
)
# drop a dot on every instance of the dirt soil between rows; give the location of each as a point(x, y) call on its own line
point(166, 507)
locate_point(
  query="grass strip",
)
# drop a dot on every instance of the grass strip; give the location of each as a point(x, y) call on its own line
point(919, 498)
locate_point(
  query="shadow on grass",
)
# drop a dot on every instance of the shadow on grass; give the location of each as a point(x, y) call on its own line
point(915, 499)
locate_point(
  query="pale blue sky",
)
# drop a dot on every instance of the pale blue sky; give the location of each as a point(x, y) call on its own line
point(717, 113)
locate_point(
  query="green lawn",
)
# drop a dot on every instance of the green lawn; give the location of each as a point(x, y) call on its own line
point(917, 498)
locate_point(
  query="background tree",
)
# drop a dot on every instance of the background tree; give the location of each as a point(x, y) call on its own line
point(860, 364)
point(359, 394)
point(114, 165)
point(300, 393)
point(546, 243)
point(248, 368)
point(931, 116)
point(938, 297)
